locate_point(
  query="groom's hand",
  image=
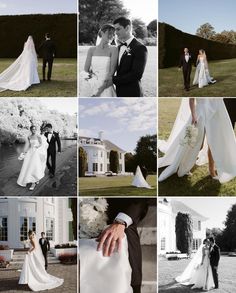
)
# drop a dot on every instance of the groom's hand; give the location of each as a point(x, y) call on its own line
point(110, 238)
point(108, 82)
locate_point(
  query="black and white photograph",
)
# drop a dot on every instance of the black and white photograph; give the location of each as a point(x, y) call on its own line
point(38, 244)
point(38, 147)
point(196, 244)
point(117, 48)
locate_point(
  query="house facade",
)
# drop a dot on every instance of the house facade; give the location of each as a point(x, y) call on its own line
point(50, 215)
point(98, 154)
point(167, 212)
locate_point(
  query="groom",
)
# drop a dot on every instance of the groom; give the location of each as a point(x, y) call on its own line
point(124, 215)
point(48, 49)
point(45, 246)
point(230, 104)
point(185, 63)
point(52, 139)
point(131, 61)
point(214, 260)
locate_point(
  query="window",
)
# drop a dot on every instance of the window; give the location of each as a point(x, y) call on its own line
point(108, 155)
point(26, 224)
point(120, 167)
point(3, 229)
point(95, 167)
point(120, 156)
point(163, 243)
point(197, 225)
point(108, 167)
point(50, 228)
point(196, 243)
point(101, 154)
point(101, 167)
point(95, 153)
point(71, 236)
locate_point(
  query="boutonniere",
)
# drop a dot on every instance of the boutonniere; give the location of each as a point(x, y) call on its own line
point(128, 51)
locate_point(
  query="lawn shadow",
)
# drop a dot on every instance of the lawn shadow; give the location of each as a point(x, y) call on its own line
point(11, 285)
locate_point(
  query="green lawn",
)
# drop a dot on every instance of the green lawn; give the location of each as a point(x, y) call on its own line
point(149, 80)
point(115, 186)
point(169, 270)
point(200, 183)
point(63, 84)
point(171, 81)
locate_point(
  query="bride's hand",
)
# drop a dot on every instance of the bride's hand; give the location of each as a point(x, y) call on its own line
point(110, 238)
point(194, 120)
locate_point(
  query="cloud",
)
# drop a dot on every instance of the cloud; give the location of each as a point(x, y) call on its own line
point(3, 5)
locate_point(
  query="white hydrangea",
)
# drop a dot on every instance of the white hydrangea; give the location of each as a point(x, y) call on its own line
point(190, 138)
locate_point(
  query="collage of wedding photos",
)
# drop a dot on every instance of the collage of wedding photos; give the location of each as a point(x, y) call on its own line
point(117, 146)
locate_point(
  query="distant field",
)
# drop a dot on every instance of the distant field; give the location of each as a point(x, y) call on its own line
point(63, 83)
point(171, 81)
point(149, 80)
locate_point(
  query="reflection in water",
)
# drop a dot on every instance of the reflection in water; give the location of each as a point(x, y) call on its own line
point(9, 156)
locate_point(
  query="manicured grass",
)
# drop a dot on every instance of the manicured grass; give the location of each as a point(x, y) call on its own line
point(149, 80)
point(63, 83)
point(169, 270)
point(115, 186)
point(171, 81)
point(200, 183)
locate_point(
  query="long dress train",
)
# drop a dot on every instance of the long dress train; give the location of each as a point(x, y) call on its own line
point(139, 180)
point(202, 75)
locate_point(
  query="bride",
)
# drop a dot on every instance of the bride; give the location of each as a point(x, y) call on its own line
point(202, 75)
point(33, 272)
point(139, 180)
point(99, 273)
point(22, 73)
point(100, 66)
point(200, 122)
point(34, 156)
point(198, 272)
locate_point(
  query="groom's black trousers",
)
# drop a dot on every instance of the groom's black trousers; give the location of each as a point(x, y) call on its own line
point(215, 276)
point(51, 166)
point(186, 74)
point(48, 61)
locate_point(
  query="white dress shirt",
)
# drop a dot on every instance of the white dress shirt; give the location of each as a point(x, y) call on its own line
point(49, 136)
point(187, 56)
point(125, 218)
point(123, 48)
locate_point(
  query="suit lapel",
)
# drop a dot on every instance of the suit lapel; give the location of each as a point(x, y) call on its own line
point(125, 53)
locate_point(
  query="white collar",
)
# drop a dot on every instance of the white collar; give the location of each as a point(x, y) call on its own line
point(129, 41)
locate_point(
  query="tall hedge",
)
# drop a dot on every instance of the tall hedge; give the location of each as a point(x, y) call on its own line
point(172, 42)
point(16, 29)
point(82, 162)
point(184, 233)
point(114, 161)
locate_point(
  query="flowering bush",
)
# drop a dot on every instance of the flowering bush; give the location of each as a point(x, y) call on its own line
point(4, 247)
point(68, 258)
point(66, 245)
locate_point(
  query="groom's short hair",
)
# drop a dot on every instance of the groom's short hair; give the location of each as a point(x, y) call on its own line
point(123, 21)
point(49, 125)
point(47, 35)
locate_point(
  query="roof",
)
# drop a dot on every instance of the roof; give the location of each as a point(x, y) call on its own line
point(178, 206)
point(108, 144)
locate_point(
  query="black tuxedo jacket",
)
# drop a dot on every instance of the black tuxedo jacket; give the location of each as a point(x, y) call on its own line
point(55, 139)
point(231, 108)
point(48, 49)
point(214, 255)
point(45, 246)
point(130, 70)
point(186, 65)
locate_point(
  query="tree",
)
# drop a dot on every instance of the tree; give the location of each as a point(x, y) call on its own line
point(184, 233)
point(146, 152)
point(73, 206)
point(139, 28)
point(130, 163)
point(152, 28)
point(114, 161)
point(82, 162)
point(206, 31)
point(95, 13)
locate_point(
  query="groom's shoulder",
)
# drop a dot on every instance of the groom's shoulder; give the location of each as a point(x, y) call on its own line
point(140, 44)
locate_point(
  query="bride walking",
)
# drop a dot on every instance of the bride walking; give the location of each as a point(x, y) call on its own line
point(33, 272)
point(34, 156)
point(200, 122)
point(100, 66)
point(22, 73)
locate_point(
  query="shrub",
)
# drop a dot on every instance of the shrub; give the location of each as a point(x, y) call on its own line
point(114, 161)
point(184, 233)
point(68, 258)
point(2, 259)
point(82, 162)
point(4, 247)
point(66, 245)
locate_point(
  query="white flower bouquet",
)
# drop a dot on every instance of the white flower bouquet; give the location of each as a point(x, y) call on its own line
point(93, 217)
point(88, 84)
point(190, 137)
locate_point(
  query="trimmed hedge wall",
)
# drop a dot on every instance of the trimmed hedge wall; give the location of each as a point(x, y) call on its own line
point(172, 42)
point(16, 29)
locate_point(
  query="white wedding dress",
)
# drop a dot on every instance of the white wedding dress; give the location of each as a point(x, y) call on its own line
point(202, 75)
point(34, 164)
point(213, 125)
point(23, 72)
point(104, 274)
point(200, 276)
point(34, 274)
point(100, 67)
point(139, 180)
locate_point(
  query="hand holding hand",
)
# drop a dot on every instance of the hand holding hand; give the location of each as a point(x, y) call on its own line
point(110, 238)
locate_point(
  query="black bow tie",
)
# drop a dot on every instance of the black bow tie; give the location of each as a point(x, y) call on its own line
point(124, 44)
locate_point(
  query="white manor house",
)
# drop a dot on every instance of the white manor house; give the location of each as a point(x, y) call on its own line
point(50, 215)
point(167, 212)
point(98, 154)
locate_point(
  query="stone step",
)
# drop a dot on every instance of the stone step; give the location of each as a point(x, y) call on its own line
point(149, 256)
point(149, 287)
point(148, 235)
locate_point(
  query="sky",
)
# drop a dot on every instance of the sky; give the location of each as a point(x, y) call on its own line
point(15, 7)
point(63, 105)
point(123, 121)
point(144, 9)
point(215, 209)
point(189, 15)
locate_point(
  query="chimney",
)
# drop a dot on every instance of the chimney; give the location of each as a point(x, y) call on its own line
point(100, 135)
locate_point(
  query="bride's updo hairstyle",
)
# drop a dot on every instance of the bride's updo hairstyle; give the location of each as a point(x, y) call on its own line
point(30, 233)
point(105, 28)
point(202, 51)
point(31, 127)
point(205, 241)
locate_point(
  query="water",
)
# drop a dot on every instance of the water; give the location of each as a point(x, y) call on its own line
point(9, 163)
